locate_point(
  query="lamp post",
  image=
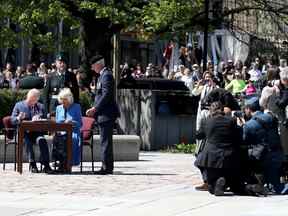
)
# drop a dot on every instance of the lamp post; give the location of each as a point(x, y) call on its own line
point(206, 28)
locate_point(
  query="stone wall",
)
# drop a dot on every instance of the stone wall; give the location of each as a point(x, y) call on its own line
point(126, 148)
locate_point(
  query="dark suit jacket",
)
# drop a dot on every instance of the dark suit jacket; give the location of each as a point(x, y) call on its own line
point(222, 148)
point(106, 107)
point(23, 107)
point(29, 113)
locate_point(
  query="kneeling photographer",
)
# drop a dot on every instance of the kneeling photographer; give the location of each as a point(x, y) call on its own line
point(260, 134)
point(220, 155)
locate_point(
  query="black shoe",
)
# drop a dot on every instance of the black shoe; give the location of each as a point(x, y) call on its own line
point(61, 168)
point(55, 165)
point(103, 172)
point(47, 169)
point(256, 190)
point(220, 186)
point(33, 167)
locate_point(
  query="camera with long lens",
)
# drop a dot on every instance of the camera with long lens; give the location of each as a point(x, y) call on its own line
point(238, 114)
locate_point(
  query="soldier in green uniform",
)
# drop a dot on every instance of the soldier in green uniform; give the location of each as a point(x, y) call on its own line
point(58, 80)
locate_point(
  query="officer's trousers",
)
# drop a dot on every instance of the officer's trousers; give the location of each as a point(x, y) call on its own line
point(106, 142)
point(31, 138)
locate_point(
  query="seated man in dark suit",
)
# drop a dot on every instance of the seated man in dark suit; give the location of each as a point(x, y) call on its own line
point(30, 109)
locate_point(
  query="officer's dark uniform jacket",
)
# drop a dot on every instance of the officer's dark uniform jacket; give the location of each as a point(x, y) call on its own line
point(54, 84)
point(106, 107)
point(256, 131)
point(106, 113)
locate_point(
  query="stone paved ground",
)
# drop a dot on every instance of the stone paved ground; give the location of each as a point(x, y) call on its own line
point(158, 184)
point(152, 171)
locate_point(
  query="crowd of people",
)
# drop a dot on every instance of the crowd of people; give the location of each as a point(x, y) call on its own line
point(242, 119)
point(242, 128)
point(11, 76)
point(237, 77)
point(241, 125)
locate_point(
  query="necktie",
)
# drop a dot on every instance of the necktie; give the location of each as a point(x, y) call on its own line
point(31, 112)
point(62, 81)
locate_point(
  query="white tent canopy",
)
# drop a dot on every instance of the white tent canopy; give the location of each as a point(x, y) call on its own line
point(231, 46)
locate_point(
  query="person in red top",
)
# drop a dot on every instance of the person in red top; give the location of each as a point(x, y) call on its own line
point(168, 53)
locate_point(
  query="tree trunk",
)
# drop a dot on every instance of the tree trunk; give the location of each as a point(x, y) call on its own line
point(35, 55)
point(96, 38)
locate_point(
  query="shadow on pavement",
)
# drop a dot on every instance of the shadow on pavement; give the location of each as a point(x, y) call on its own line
point(115, 174)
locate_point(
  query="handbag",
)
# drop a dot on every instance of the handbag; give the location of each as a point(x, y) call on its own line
point(200, 144)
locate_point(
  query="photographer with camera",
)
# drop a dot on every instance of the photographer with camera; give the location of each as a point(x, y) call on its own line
point(202, 89)
point(220, 158)
point(265, 152)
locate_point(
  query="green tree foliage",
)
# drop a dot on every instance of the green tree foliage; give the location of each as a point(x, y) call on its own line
point(267, 16)
point(169, 15)
point(36, 19)
point(33, 20)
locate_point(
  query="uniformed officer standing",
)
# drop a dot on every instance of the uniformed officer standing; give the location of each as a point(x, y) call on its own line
point(58, 80)
point(106, 111)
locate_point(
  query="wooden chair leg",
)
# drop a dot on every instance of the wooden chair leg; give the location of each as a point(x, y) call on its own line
point(81, 157)
point(4, 158)
point(15, 157)
point(92, 156)
point(15, 149)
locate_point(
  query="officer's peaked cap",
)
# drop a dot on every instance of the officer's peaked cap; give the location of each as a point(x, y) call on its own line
point(95, 59)
point(60, 57)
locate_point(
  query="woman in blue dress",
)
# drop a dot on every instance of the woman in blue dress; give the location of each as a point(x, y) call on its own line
point(67, 111)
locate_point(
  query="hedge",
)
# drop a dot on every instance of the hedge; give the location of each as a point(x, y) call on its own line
point(9, 98)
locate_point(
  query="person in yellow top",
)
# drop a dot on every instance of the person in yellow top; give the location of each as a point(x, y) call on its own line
point(237, 85)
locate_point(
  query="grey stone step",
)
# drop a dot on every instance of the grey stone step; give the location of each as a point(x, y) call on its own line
point(126, 148)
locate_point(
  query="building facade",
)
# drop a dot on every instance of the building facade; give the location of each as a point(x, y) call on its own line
point(261, 24)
